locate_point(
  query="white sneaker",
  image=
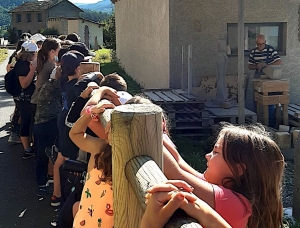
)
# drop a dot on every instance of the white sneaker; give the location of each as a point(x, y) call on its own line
point(14, 138)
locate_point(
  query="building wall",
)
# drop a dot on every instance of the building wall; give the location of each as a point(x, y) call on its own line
point(142, 30)
point(200, 22)
point(72, 26)
point(57, 23)
point(64, 9)
point(96, 30)
point(34, 26)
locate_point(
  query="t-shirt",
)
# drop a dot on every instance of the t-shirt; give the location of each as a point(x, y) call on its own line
point(70, 93)
point(96, 204)
point(42, 77)
point(268, 55)
point(22, 69)
point(48, 101)
point(232, 206)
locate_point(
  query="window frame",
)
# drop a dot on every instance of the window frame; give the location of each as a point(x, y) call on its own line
point(18, 18)
point(282, 35)
point(39, 17)
point(28, 16)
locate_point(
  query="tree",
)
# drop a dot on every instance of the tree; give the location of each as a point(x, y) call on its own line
point(109, 33)
point(12, 35)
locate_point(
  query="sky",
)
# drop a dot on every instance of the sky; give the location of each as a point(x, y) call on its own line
point(84, 1)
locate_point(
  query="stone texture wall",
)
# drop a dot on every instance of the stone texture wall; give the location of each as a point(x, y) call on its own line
point(64, 9)
point(72, 26)
point(34, 26)
point(142, 29)
point(200, 22)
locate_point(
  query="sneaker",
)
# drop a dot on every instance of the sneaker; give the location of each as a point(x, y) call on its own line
point(50, 179)
point(28, 155)
point(55, 201)
point(54, 223)
point(43, 191)
point(52, 153)
point(14, 138)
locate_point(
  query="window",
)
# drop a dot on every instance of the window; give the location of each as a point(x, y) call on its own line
point(39, 17)
point(19, 33)
point(275, 34)
point(28, 17)
point(18, 18)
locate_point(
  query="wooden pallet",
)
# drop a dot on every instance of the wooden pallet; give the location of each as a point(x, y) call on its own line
point(185, 112)
point(294, 114)
point(230, 115)
point(170, 96)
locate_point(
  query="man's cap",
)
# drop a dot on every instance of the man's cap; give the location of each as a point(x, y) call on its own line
point(30, 46)
point(70, 61)
point(38, 37)
point(82, 48)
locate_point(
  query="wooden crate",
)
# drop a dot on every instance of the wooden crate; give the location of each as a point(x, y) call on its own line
point(268, 85)
point(272, 99)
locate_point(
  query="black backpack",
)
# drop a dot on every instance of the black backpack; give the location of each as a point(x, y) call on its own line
point(12, 83)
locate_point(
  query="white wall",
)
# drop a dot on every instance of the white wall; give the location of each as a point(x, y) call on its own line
point(142, 30)
point(95, 30)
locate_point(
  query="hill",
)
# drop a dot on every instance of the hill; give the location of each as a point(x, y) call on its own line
point(101, 6)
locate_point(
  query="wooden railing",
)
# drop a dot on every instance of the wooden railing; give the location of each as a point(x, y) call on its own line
point(137, 163)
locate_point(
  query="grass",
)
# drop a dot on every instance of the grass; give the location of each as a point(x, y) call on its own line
point(3, 54)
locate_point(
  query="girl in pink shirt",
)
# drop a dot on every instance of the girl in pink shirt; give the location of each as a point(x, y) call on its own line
point(243, 178)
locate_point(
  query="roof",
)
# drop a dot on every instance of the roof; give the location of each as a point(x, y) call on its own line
point(32, 7)
point(78, 18)
point(39, 6)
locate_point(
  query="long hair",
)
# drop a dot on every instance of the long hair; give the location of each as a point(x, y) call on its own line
point(42, 57)
point(257, 165)
point(25, 55)
point(103, 162)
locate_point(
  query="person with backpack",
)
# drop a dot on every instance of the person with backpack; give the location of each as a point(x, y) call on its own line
point(15, 120)
point(25, 71)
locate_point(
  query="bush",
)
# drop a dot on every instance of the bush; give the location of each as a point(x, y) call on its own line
point(12, 35)
point(49, 31)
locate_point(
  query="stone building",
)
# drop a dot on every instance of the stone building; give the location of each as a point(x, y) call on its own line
point(151, 34)
point(62, 15)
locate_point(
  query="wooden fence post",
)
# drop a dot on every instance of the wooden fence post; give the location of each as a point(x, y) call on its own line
point(296, 196)
point(136, 130)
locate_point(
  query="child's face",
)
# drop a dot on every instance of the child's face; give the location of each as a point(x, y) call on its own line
point(217, 169)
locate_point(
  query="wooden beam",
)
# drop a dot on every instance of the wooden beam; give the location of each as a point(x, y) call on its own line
point(142, 173)
point(241, 76)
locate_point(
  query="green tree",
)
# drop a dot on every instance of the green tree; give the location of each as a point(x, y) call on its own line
point(109, 33)
point(12, 35)
point(49, 31)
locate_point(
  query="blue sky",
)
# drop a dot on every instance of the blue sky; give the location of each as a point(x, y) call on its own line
point(84, 1)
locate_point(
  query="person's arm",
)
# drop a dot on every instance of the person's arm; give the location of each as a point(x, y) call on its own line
point(100, 93)
point(164, 199)
point(181, 162)
point(173, 171)
point(80, 138)
point(25, 80)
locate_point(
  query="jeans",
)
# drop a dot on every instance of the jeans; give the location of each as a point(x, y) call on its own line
point(44, 136)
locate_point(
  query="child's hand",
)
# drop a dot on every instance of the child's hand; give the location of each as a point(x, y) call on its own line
point(162, 202)
point(101, 106)
point(87, 92)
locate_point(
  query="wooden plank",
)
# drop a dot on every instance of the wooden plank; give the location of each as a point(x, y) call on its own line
point(162, 96)
point(230, 112)
point(295, 106)
point(173, 96)
point(153, 97)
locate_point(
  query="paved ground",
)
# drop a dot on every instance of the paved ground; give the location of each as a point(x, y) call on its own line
point(17, 177)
